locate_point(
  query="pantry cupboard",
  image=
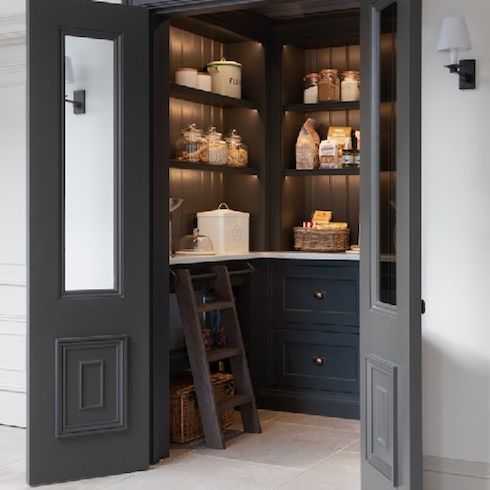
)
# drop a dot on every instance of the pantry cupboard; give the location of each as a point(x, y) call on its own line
point(100, 352)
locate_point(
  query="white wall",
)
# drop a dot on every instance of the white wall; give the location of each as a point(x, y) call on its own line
point(456, 241)
point(12, 214)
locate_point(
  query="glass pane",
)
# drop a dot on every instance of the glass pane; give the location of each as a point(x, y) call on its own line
point(90, 163)
point(387, 154)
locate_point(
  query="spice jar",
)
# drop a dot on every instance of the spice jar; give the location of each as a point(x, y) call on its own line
point(192, 146)
point(217, 148)
point(350, 86)
point(329, 86)
point(237, 150)
point(311, 88)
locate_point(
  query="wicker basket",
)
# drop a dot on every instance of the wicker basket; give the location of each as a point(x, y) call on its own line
point(185, 420)
point(310, 240)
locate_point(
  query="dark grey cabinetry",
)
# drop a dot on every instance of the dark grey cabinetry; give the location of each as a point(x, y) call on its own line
point(316, 293)
point(315, 360)
point(304, 347)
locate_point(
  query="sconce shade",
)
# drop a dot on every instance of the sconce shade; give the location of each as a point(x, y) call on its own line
point(69, 73)
point(453, 34)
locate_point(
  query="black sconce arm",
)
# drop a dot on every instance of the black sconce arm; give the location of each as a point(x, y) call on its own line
point(78, 101)
point(466, 69)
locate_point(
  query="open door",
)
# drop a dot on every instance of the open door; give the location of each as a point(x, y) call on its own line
point(390, 245)
point(89, 240)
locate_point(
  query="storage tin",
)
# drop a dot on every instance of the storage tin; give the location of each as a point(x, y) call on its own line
point(228, 229)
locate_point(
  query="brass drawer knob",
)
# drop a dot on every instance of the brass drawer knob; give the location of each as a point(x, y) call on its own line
point(319, 360)
point(319, 294)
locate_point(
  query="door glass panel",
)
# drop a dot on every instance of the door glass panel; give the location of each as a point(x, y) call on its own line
point(90, 170)
point(387, 154)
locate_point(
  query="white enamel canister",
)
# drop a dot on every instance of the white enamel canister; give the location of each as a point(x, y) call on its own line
point(227, 229)
point(227, 78)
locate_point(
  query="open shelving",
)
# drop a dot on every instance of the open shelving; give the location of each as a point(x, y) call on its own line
point(205, 167)
point(321, 171)
point(190, 94)
point(322, 107)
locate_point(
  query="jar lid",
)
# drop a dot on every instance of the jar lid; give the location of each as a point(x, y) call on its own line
point(329, 71)
point(223, 211)
point(234, 137)
point(351, 74)
point(312, 76)
point(213, 135)
point(192, 129)
point(187, 69)
point(224, 62)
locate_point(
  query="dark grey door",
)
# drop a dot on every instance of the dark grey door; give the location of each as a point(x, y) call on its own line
point(390, 245)
point(88, 240)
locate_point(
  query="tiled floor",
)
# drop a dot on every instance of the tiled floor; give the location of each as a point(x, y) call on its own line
point(294, 452)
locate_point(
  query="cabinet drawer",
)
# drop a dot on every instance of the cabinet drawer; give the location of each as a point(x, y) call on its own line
point(316, 294)
point(316, 360)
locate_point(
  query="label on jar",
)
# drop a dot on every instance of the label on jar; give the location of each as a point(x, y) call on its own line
point(347, 159)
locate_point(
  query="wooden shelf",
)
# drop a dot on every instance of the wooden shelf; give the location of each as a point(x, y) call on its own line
point(320, 171)
point(323, 107)
point(208, 98)
point(213, 168)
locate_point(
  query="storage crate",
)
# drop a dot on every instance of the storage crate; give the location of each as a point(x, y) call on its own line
point(185, 420)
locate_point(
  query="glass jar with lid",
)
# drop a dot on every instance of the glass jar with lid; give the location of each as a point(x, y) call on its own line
point(192, 146)
point(350, 86)
point(311, 88)
point(217, 148)
point(237, 150)
point(329, 86)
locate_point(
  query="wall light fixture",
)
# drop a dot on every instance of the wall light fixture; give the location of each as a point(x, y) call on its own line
point(78, 100)
point(454, 37)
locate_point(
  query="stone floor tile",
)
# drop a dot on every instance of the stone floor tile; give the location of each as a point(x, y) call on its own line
point(342, 471)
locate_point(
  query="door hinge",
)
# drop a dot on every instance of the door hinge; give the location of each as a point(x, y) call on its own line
point(423, 306)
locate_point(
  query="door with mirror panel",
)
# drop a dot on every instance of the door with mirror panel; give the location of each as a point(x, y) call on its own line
point(89, 240)
point(390, 253)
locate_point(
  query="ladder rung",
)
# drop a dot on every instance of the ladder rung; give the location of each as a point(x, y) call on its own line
point(216, 306)
point(234, 401)
point(221, 353)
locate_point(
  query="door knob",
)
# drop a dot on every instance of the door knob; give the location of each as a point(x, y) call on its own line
point(319, 360)
point(319, 294)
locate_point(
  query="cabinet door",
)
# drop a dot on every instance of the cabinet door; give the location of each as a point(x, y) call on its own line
point(390, 313)
point(89, 240)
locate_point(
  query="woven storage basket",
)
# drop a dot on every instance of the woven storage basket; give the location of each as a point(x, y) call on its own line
point(185, 420)
point(310, 240)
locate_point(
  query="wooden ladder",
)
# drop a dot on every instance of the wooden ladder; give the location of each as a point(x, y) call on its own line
point(199, 358)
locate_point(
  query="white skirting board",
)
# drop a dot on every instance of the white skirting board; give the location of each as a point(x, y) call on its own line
point(455, 474)
point(13, 411)
point(444, 481)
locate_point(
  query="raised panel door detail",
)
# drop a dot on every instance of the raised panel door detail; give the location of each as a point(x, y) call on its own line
point(381, 401)
point(90, 385)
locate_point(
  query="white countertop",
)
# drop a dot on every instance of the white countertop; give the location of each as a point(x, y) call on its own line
point(181, 259)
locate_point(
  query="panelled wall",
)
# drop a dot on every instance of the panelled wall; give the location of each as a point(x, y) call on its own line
point(12, 216)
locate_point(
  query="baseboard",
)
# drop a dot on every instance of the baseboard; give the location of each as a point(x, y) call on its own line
point(457, 467)
point(311, 402)
point(14, 409)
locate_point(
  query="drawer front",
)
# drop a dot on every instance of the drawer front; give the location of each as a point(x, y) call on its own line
point(316, 360)
point(316, 294)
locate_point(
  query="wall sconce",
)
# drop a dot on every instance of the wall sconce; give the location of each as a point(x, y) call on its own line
point(78, 100)
point(454, 37)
